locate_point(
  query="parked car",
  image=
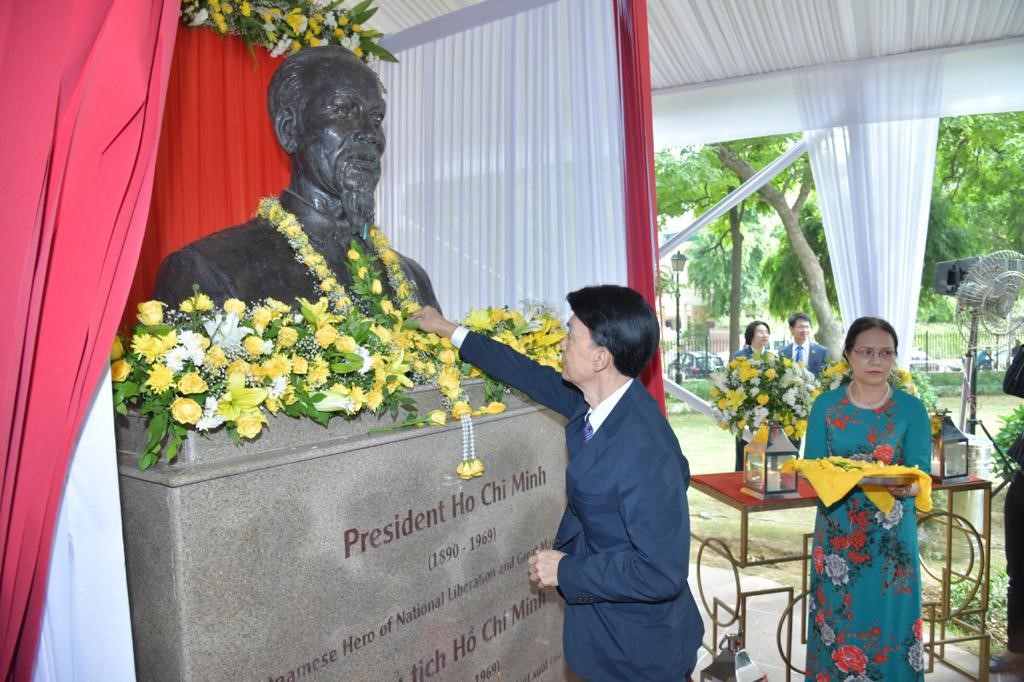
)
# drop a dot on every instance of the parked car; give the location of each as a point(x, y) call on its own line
point(695, 364)
point(920, 361)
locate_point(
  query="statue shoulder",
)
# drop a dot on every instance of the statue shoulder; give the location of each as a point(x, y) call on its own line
point(219, 262)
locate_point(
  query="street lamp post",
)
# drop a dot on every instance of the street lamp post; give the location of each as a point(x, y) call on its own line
point(678, 265)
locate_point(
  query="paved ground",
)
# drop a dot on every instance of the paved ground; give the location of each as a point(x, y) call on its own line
point(763, 618)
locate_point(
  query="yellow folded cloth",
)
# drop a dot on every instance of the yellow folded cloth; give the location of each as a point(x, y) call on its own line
point(833, 477)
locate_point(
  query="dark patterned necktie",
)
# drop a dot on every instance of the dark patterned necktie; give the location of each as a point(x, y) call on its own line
point(588, 430)
point(799, 353)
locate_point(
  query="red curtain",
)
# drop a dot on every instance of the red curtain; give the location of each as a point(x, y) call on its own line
point(82, 97)
point(638, 135)
point(218, 154)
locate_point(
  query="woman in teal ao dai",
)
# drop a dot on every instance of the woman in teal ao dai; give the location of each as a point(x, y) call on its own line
point(865, 594)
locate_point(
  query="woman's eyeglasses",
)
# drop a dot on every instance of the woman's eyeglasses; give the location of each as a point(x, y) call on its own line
point(868, 353)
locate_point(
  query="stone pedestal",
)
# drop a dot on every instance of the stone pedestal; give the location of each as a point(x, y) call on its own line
point(346, 554)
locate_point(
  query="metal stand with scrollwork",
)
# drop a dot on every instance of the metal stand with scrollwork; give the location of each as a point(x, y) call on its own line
point(943, 565)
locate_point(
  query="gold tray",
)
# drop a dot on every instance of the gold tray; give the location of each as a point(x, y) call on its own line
point(896, 479)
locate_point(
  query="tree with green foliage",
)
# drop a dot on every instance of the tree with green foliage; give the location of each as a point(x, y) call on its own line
point(692, 180)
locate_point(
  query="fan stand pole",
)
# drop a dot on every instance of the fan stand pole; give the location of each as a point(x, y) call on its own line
point(969, 388)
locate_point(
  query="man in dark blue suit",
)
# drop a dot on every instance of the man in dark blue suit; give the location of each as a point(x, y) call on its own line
point(621, 553)
point(813, 355)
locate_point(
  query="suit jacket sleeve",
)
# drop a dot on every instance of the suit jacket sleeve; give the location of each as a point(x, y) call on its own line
point(653, 562)
point(541, 383)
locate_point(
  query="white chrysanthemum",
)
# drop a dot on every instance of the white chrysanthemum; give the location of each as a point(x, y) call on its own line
point(193, 345)
point(175, 358)
point(350, 41)
point(210, 418)
point(277, 387)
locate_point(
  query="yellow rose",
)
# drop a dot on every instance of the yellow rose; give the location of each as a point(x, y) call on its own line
point(762, 398)
point(215, 357)
point(346, 344)
point(300, 365)
point(151, 313)
point(237, 367)
point(186, 411)
point(387, 256)
point(253, 345)
point(261, 317)
point(494, 408)
point(357, 51)
point(383, 334)
point(287, 337)
point(191, 383)
point(326, 335)
point(376, 288)
point(353, 254)
point(461, 409)
point(233, 305)
point(362, 272)
point(117, 349)
point(249, 424)
point(120, 370)
point(447, 357)
point(770, 373)
point(160, 378)
point(476, 467)
point(437, 417)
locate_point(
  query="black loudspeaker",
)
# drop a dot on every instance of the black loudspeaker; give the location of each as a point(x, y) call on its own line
point(949, 274)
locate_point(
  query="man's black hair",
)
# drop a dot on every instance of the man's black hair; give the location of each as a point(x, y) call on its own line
point(620, 320)
point(797, 317)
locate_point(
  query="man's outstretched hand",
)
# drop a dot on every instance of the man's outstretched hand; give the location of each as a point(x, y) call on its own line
point(431, 321)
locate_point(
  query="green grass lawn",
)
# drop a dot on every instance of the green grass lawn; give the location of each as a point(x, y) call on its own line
point(709, 449)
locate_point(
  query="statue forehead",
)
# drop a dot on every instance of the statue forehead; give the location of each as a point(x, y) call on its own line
point(341, 76)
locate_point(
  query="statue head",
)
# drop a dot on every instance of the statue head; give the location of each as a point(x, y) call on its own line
point(327, 110)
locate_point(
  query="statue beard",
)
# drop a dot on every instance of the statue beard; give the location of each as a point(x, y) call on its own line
point(359, 207)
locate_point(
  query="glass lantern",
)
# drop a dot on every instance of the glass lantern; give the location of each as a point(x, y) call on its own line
point(949, 449)
point(762, 464)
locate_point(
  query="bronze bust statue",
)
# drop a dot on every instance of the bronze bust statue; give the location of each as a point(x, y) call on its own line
point(327, 111)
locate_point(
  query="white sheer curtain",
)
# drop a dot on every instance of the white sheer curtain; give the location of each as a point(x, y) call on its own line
point(873, 172)
point(503, 174)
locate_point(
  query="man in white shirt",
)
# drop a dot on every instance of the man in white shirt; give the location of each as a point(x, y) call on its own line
point(621, 554)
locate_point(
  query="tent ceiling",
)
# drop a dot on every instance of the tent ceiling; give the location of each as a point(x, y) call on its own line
point(700, 41)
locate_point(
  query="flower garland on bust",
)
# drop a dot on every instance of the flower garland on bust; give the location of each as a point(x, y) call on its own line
point(285, 222)
point(201, 367)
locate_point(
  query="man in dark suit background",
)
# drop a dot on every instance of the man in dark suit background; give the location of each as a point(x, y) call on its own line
point(813, 355)
point(621, 553)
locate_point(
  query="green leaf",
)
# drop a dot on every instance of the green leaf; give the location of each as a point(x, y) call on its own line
point(375, 49)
